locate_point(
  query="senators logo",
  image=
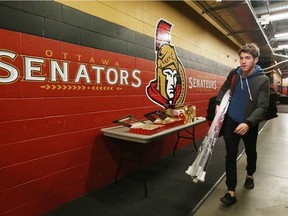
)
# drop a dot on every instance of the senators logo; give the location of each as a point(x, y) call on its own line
point(168, 89)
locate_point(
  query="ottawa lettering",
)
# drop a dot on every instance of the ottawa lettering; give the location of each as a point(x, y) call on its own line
point(34, 70)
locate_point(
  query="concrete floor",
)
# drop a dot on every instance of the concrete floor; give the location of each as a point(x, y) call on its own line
point(270, 195)
point(172, 193)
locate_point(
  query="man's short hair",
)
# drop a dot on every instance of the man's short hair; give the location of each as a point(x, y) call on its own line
point(250, 48)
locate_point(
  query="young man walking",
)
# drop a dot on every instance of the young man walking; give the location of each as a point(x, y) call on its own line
point(249, 104)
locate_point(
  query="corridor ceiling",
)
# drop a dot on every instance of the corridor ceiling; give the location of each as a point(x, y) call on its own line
point(247, 21)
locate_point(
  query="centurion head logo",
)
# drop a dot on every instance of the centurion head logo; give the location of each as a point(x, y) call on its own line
point(168, 89)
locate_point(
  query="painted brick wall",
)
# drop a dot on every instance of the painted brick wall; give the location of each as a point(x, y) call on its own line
point(51, 147)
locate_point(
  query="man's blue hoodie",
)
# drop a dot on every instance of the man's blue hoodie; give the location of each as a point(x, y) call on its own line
point(242, 95)
point(250, 96)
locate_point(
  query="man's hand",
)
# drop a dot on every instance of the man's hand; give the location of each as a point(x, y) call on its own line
point(217, 109)
point(241, 129)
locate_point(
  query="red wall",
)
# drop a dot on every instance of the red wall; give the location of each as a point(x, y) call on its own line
point(51, 147)
point(284, 90)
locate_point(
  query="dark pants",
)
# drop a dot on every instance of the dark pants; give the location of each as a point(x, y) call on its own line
point(232, 141)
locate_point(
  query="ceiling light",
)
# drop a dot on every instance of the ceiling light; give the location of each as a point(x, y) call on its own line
point(285, 34)
point(283, 46)
point(275, 17)
point(280, 16)
point(281, 35)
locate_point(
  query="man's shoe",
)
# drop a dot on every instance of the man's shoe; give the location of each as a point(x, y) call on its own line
point(249, 183)
point(228, 199)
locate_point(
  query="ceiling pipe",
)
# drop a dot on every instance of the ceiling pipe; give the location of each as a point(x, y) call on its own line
point(260, 27)
point(202, 10)
point(267, 41)
point(273, 8)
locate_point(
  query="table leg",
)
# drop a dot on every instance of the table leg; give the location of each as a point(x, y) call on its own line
point(120, 163)
point(175, 147)
point(194, 142)
point(186, 137)
point(140, 156)
point(139, 160)
point(193, 137)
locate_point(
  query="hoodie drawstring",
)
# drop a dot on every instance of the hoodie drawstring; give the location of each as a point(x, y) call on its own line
point(241, 82)
point(249, 90)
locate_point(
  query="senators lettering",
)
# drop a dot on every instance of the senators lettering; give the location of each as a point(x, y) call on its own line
point(202, 83)
point(35, 70)
point(10, 73)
